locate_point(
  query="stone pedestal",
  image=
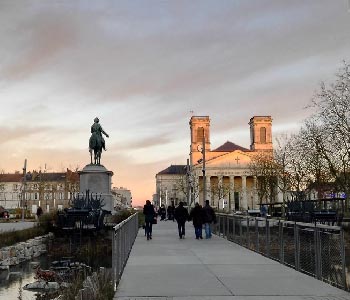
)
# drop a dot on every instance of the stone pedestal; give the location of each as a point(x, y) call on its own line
point(98, 180)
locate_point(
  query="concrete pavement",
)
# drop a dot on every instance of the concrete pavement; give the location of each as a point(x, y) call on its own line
point(173, 269)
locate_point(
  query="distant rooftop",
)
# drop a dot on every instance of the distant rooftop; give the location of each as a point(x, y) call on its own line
point(174, 169)
point(229, 147)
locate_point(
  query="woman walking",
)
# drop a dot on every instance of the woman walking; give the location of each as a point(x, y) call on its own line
point(148, 211)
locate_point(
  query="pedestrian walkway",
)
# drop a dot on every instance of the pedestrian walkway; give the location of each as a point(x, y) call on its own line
point(14, 226)
point(189, 269)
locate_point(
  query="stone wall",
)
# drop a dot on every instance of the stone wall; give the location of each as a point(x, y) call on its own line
point(24, 251)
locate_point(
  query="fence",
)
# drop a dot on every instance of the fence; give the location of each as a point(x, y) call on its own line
point(317, 250)
point(123, 238)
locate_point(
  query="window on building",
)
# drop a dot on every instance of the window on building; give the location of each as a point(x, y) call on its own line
point(200, 134)
point(35, 196)
point(35, 187)
point(15, 187)
point(263, 135)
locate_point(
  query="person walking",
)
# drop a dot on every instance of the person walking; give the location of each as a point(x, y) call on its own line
point(148, 211)
point(197, 215)
point(162, 212)
point(209, 218)
point(171, 211)
point(181, 216)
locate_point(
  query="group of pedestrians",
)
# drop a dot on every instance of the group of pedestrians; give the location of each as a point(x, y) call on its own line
point(203, 217)
point(200, 216)
point(163, 212)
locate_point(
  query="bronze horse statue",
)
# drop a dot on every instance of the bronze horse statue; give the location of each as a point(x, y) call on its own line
point(97, 142)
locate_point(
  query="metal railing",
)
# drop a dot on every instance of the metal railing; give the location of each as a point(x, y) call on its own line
point(317, 250)
point(124, 236)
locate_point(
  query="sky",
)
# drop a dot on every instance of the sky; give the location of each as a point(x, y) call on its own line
point(145, 67)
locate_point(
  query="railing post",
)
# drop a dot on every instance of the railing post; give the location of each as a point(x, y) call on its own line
point(223, 226)
point(248, 234)
point(267, 238)
point(113, 262)
point(280, 232)
point(257, 235)
point(296, 247)
point(318, 255)
point(342, 254)
point(240, 231)
point(234, 228)
point(228, 234)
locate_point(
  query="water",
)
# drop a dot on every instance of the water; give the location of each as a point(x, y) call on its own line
point(11, 287)
point(93, 251)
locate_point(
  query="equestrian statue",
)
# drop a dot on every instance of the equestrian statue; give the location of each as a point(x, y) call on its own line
point(97, 142)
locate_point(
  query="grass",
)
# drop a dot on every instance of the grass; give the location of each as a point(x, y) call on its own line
point(9, 238)
point(104, 288)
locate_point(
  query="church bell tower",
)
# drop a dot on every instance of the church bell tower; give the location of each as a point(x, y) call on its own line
point(261, 133)
point(200, 128)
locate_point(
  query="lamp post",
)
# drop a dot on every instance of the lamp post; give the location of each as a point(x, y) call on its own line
point(46, 198)
point(188, 184)
point(24, 187)
point(202, 150)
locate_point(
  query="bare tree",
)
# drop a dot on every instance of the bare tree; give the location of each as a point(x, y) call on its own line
point(329, 128)
point(263, 167)
point(189, 186)
point(283, 159)
point(219, 191)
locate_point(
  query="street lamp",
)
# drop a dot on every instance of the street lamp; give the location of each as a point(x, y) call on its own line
point(201, 148)
point(46, 198)
point(24, 187)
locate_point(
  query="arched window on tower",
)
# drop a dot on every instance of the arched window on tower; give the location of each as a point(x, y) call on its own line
point(263, 135)
point(200, 133)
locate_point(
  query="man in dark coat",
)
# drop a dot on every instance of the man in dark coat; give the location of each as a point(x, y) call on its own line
point(209, 218)
point(162, 212)
point(171, 211)
point(196, 216)
point(148, 211)
point(181, 216)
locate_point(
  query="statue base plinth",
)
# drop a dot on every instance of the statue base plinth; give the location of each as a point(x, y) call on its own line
point(98, 180)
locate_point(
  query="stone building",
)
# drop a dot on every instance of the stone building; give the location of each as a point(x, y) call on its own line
point(49, 190)
point(169, 185)
point(229, 181)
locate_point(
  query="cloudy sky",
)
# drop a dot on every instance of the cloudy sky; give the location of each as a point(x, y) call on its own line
point(143, 66)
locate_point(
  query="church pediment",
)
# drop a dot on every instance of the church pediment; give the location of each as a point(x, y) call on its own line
point(232, 159)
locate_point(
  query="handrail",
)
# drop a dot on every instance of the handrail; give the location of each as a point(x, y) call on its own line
point(124, 236)
point(314, 249)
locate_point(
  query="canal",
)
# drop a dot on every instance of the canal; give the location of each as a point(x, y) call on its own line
point(94, 251)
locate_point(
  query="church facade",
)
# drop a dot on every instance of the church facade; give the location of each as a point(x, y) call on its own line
point(228, 179)
point(229, 183)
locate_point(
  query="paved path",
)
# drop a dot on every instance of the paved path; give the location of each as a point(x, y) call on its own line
point(16, 226)
point(173, 269)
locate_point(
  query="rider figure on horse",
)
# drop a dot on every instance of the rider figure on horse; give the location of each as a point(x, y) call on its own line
point(96, 136)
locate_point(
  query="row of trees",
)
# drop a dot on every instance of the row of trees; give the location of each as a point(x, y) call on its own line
point(318, 156)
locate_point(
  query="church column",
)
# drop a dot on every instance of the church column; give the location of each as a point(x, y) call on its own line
point(207, 178)
point(244, 193)
point(231, 203)
point(220, 192)
point(255, 191)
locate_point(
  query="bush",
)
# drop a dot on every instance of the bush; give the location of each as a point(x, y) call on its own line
point(121, 216)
